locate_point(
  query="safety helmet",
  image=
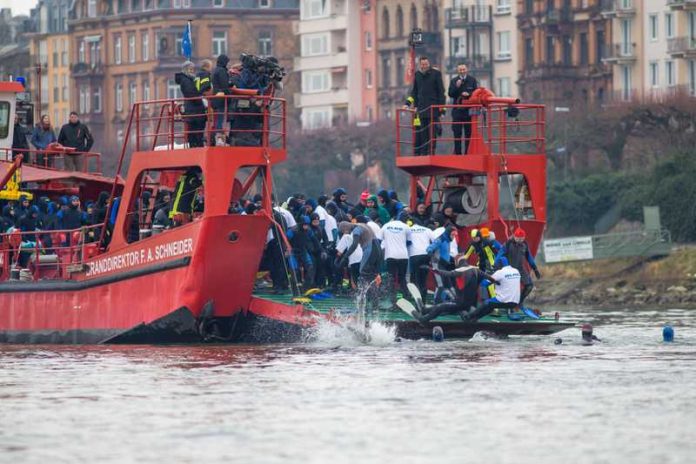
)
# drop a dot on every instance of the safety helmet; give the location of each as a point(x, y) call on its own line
point(520, 233)
point(474, 233)
point(485, 232)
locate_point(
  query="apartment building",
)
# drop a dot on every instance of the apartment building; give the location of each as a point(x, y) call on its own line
point(337, 62)
point(653, 50)
point(562, 45)
point(482, 34)
point(124, 51)
point(50, 51)
point(396, 19)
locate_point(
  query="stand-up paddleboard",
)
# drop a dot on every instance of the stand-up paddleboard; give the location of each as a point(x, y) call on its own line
point(407, 307)
point(416, 294)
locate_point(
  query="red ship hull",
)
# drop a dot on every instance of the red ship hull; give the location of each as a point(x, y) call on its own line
point(159, 289)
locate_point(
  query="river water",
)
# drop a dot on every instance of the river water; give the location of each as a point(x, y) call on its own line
point(630, 399)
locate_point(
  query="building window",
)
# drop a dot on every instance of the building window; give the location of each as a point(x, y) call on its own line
point(567, 50)
point(550, 50)
point(132, 94)
point(504, 44)
point(92, 8)
point(317, 118)
point(173, 90)
point(63, 53)
point(182, 3)
point(147, 5)
point(502, 6)
point(601, 47)
point(119, 97)
point(654, 78)
point(117, 50)
point(400, 71)
point(84, 99)
point(626, 83)
point(264, 3)
point(311, 9)
point(146, 46)
point(459, 46)
point(316, 81)
point(369, 113)
point(584, 49)
point(368, 78)
point(218, 3)
point(669, 25)
point(315, 44)
point(529, 52)
point(413, 17)
point(94, 52)
point(692, 77)
point(64, 89)
point(385, 23)
point(55, 59)
point(265, 43)
point(503, 84)
point(97, 97)
point(219, 43)
point(669, 72)
point(368, 40)
point(626, 46)
point(529, 6)
point(131, 48)
point(177, 46)
point(652, 21)
point(146, 91)
point(56, 90)
point(82, 58)
point(399, 22)
point(386, 72)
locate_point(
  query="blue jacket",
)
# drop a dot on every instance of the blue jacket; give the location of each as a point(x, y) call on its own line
point(42, 138)
point(441, 245)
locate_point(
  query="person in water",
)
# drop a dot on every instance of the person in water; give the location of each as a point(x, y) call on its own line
point(370, 265)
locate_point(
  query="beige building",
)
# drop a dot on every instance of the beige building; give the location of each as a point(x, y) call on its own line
point(482, 34)
point(653, 50)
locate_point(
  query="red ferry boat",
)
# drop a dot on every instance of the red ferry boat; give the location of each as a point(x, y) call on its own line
point(195, 282)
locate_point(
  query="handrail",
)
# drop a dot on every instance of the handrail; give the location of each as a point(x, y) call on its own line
point(30, 155)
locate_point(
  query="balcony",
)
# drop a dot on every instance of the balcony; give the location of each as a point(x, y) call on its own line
point(473, 16)
point(621, 53)
point(682, 47)
point(331, 23)
point(558, 16)
point(682, 4)
point(618, 8)
point(87, 69)
point(477, 64)
point(552, 71)
point(336, 96)
point(306, 63)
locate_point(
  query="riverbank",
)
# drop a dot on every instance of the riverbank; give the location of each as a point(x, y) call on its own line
point(626, 282)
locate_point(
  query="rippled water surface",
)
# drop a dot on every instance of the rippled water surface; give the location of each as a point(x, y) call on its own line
point(631, 399)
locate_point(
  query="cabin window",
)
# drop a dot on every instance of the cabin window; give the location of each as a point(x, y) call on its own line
point(515, 198)
point(4, 119)
point(164, 199)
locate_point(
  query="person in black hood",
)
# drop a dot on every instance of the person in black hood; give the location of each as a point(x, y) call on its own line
point(30, 221)
point(19, 139)
point(421, 215)
point(9, 217)
point(24, 205)
point(427, 90)
point(72, 217)
point(194, 110)
point(387, 203)
point(75, 135)
point(340, 197)
point(101, 206)
point(221, 87)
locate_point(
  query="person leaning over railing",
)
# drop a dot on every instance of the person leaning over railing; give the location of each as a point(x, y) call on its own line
point(427, 90)
point(41, 138)
point(194, 109)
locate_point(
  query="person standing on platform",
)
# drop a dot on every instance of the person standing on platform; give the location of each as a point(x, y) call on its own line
point(460, 89)
point(75, 135)
point(41, 138)
point(427, 90)
point(194, 109)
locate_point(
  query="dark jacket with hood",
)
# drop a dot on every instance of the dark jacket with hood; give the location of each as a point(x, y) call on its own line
point(221, 81)
point(427, 90)
point(76, 136)
point(189, 90)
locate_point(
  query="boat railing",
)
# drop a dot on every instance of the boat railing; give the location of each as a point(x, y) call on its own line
point(54, 158)
point(495, 129)
point(238, 120)
point(47, 254)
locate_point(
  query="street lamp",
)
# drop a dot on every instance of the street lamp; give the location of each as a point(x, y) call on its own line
point(415, 39)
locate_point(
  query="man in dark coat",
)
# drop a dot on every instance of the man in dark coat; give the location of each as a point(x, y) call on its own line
point(194, 110)
point(75, 135)
point(221, 87)
point(19, 139)
point(460, 89)
point(427, 91)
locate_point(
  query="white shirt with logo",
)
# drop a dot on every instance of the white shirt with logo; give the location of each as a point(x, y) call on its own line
point(394, 235)
point(508, 291)
point(421, 237)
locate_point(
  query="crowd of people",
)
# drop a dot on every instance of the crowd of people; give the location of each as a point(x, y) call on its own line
point(41, 145)
point(380, 245)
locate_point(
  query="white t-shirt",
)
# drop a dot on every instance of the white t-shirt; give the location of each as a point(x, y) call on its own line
point(344, 243)
point(395, 234)
point(375, 229)
point(508, 291)
point(287, 215)
point(421, 237)
point(454, 248)
point(329, 226)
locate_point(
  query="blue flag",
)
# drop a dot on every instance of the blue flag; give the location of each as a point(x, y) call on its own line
point(186, 43)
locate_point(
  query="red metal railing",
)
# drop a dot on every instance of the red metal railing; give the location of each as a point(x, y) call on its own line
point(89, 162)
point(495, 129)
point(48, 254)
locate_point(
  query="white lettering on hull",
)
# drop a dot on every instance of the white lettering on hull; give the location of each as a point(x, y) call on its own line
point(142, 256)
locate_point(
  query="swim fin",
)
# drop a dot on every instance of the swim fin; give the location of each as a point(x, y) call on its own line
point(416, 294)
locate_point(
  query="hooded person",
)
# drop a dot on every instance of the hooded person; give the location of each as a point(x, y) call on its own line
point(359, 208)
point(194, 109)
point(370, 265)
point(340, 197)
point(372, 204)
point(221, 87)
point(301, 258)
point(29, 222)
point(518, 254)
point(421, 215)
point(344, 243)
point(385, 202)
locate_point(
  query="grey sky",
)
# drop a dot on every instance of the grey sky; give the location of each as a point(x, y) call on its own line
point(18, 6)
